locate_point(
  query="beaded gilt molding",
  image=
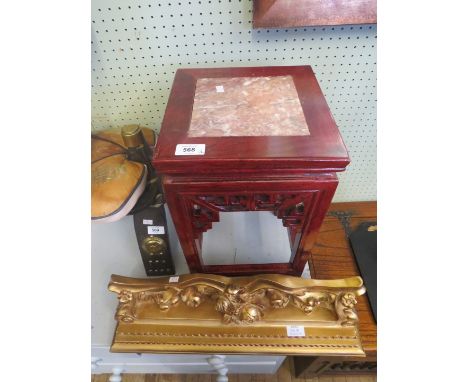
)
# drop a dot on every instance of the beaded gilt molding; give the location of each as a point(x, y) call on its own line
point(263, 314)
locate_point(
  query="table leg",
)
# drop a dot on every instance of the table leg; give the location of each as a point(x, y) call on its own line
point(217, 362)
point(116, 375)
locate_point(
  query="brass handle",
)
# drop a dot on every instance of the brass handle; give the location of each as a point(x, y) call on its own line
point(154, 245)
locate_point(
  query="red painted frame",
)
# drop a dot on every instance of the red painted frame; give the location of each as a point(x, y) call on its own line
point(292, 176)
point(300, 13)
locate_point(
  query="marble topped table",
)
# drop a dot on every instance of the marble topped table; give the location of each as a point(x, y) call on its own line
point(248, 139)
point(247, 107)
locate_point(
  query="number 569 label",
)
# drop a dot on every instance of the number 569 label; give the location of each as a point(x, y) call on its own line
point(190, 149)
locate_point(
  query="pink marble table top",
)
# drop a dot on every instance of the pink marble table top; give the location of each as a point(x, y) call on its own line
point(247, 106)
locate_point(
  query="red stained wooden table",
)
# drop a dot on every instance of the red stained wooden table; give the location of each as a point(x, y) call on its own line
point(292, 176)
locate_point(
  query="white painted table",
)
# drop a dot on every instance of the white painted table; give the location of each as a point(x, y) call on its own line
point(115, 250)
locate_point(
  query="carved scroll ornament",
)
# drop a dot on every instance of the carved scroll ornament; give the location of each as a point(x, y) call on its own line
point(211, 313)
point(242, 300)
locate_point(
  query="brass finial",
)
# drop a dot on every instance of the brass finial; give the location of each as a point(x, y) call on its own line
point(132, 135)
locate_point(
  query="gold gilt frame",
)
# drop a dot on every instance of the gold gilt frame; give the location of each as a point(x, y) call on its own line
point(261, 314)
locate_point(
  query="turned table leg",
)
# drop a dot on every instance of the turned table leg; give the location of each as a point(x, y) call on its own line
point(116, 375)
point(217, 362)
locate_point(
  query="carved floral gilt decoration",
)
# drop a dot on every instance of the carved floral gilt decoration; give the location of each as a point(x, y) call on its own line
point(241, 300)
point(204, 313)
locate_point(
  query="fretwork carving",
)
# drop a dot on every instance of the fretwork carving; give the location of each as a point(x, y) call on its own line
point(290, 208)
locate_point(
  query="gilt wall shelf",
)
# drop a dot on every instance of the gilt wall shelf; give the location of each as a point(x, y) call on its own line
point(263, 314)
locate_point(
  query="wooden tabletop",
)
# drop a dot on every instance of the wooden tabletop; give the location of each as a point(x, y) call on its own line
point(320, 149)
point(333, 258)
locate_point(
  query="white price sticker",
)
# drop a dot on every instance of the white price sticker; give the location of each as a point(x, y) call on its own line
point(147, 222)
point(174, 279)
point(156, 230)
point(220, 89)
point(190, 149)
point(295, 331)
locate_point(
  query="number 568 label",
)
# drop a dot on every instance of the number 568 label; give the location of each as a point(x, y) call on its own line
point(190, 149)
